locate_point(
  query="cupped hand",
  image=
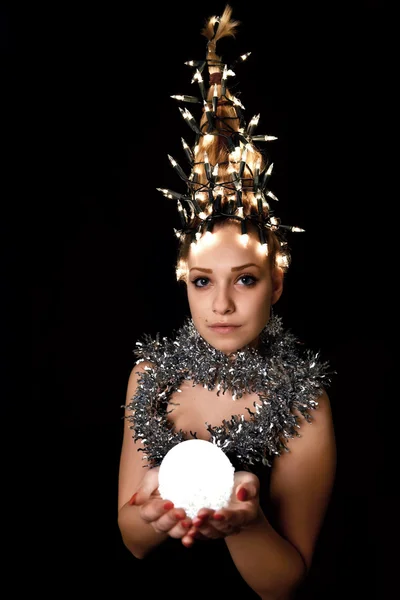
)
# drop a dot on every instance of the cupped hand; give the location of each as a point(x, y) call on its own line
point(241, 511)
point(159, 512)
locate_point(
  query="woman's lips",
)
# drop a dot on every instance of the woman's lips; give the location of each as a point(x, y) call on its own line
point(224, 328)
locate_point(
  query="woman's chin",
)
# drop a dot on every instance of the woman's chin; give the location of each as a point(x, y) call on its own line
point(226, 346)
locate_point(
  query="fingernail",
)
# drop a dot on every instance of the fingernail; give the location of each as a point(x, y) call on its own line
point(218, 517)
point(132, 500)
point(186, 524)
point(242, 494)
point(168, 505)
point(178, 516)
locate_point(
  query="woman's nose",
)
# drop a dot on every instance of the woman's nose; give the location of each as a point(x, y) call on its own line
point(222, 302)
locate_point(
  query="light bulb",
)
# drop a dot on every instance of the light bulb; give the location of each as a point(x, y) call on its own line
point(196, 474)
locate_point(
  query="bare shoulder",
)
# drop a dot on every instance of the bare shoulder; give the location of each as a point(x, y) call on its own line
point(302, 479)
point(318, 433)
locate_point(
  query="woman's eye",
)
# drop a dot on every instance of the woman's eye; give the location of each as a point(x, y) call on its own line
point(200, 279)
point(249, 278)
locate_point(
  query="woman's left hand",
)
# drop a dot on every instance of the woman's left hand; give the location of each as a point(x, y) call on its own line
point(241, 511)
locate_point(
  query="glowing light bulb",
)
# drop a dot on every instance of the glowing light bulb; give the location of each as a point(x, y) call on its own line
point(275, 222)
point(237, 102)
point(223, 80)
point(271, 195)
point(181, 270)
point(197, 77)
point(245, 56)
point(253, 124)
point(207, 238)
point(244, 238)
point(263, 249)
point(264, 138)
point(172, 160)
point(201, 196)
point(196, 474)
point(254, 120)
point(282, 261)
point(209, 115)
point(185, 98)
point(207, 166)
point(179, 274)
point(215, 98)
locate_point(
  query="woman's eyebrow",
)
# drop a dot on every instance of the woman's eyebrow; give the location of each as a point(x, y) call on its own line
point(244, 266)
point(233, 268)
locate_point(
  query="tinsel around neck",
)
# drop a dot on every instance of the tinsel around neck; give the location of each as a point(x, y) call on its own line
point(237, 372)
point(285, 376)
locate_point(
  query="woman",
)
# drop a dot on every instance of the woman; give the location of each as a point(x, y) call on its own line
point(231, 376)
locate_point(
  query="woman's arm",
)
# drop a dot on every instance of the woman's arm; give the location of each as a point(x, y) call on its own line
point(148, 525)
point(274, 560)
point(138, 536)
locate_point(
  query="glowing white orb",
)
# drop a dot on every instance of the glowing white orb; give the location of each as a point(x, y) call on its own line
point(196, 474)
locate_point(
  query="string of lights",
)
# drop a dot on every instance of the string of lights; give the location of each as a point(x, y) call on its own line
point(216, 191)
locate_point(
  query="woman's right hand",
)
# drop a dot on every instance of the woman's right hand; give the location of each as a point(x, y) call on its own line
point(159, 512)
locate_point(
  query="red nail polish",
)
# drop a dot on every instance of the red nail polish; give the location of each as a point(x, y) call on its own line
point(132, 500)
point(242, 494)
point(168, 505)
point(218, 517)
point(197, 521)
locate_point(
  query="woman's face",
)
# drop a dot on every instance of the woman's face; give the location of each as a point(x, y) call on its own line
point(230, 283)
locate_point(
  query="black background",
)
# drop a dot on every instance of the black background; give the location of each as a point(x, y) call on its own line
point(103, 248)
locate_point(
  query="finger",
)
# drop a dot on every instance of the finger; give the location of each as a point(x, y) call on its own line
point(210, 529)
point(192, 535)
point(204, 513)
point(170, 522)
point(228, 520)
point(201, 519)
point(180, 530)
point(187, 541)
point(246, 492)
point(154, 509)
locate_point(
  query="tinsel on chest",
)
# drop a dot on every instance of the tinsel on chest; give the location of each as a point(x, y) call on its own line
point(285, 376)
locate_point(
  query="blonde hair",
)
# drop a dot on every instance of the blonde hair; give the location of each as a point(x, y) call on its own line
point(217, 146)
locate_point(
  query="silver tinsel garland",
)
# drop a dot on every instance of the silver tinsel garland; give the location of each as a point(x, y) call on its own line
point(285, 377)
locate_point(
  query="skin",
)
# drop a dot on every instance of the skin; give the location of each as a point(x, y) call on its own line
point(161, 514)
point(242, 297)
